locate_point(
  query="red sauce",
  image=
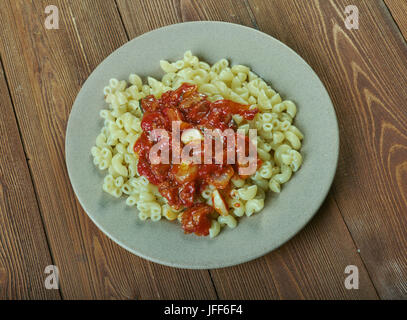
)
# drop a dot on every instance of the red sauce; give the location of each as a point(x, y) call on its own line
point(196, 219)
point(181, 184)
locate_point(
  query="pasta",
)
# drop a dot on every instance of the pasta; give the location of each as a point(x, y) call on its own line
point(278, 141)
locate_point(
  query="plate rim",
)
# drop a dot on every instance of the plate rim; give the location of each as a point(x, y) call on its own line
point(248, 257)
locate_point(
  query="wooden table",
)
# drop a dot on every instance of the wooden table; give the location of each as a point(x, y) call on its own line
point(363, 221)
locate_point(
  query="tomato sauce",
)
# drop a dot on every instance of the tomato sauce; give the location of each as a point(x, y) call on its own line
point(197, 219)
point(181, 184)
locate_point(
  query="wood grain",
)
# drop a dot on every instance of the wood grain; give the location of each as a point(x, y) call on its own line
point(310, 266)
point(46, 69)
point(365, 72)
point(398, 9)
point(24, 251)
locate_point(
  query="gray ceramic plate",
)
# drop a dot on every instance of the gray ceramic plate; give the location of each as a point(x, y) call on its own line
point(284, 214)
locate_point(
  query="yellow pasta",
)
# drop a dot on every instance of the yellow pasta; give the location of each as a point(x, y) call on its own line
point(278, 142)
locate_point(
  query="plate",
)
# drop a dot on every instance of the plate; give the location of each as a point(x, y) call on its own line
point(284, 214)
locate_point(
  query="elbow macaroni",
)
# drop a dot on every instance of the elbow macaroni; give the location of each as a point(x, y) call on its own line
point(278, 143)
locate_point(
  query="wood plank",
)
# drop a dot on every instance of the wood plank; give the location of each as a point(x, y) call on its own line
point(158, 13)
point(398, 10)
point(365, 72)
point(46, 69)
point(310, 266)
point(24, 252)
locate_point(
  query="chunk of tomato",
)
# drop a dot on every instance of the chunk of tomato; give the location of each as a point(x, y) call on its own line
point(171, 193)
point(142, 146)
point(187, 194)
point(144, 169)
point(220, 179)
point(173, 114)
point(198, 112)
point(150, 104)
point(160, 171)
point(197, 219)
point(236, 108)
point(184, 91)
point(153, 120)
point(218, 118)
